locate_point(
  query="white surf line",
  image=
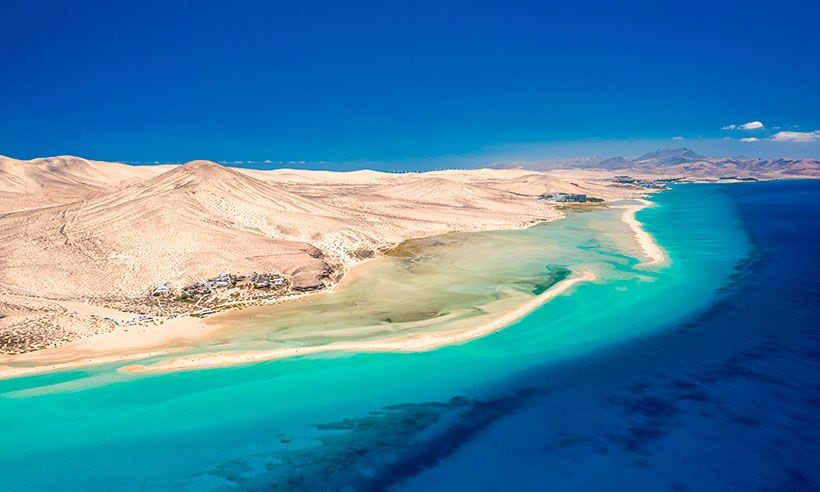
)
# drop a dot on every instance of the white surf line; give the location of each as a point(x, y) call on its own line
point(10, 372)
point(420, 342)
point(651, 249)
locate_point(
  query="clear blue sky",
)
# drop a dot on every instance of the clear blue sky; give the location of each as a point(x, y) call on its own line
point(390, 81)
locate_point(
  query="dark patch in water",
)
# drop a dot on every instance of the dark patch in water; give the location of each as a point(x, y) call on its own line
point(554, 275)
point(680, 384)
point(375, 451)
point(640, 387)
point(746, 421)
point(697, 395)
point(651, 407)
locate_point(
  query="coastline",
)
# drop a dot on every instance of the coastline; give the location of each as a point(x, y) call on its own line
point(649, 246)
point(125, 346)
point(145, 340)
point(412, 343)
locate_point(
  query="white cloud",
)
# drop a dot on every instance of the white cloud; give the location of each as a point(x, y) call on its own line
point(750, 139)
point(749, 125)
point(677, 138)
point(752, 125)
point(796, 136)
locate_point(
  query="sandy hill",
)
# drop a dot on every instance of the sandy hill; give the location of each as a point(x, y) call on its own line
point(184, 225)
point(537, 184)
point(439, 191)
point(209, 182)
point(314, 177)
point(474, 175)
point(534, 184)
point(63, 179)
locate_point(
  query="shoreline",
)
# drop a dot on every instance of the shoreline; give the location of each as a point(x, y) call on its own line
point(412, 343)
point(649, 246)
point(422, 342)
point(141, 341)
point(125, 346)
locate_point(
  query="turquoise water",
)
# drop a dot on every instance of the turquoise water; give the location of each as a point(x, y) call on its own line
point(349, 419)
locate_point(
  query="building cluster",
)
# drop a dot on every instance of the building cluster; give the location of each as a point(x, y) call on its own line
point(224, 281)
point(141, 320)
point(652, 184)
point(738, 178)
point(568, 198)
point(261, 281)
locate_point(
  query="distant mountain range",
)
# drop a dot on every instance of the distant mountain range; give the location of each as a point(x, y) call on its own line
point(686, 162)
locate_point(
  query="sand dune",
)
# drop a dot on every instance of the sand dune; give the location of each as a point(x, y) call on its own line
point(63, 179)
point(440, 191)
point(534, 184)
point(182, 226)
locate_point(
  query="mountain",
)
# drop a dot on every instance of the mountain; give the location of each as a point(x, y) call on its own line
point(613, 163)
point(669, 157)
point(686, 163)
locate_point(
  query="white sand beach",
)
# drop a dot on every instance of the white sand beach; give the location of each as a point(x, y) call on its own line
point(655, 255)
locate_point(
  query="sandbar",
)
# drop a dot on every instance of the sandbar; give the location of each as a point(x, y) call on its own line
point(411, 343)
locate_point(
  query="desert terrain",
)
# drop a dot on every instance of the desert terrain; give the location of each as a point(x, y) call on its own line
point(92, 247)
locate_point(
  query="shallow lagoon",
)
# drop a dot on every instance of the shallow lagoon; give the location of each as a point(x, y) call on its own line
point(439, 284)
point(377, 419)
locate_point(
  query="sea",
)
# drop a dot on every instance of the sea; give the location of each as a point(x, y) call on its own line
point(703, 374)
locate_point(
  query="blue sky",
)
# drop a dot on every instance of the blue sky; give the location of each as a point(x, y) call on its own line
point(398, 81)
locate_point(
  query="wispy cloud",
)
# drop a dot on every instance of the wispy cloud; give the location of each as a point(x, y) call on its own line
point(796, 136)
point(773, 135)
point(677, 138)
point(749, 125)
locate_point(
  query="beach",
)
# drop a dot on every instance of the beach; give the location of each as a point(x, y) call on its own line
point(653, 252)
point(411, 343)
point(172, 339)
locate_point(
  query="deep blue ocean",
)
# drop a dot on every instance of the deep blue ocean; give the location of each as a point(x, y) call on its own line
point(727, 400)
